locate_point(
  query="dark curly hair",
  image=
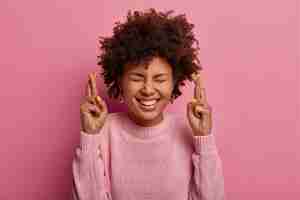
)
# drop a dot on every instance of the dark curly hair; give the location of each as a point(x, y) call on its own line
point(143, 36)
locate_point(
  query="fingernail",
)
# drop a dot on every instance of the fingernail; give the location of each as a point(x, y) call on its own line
point(194, 100)
point(98, 98)
point(193, 76)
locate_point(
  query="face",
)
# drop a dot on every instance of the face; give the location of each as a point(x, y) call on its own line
point(147, 90)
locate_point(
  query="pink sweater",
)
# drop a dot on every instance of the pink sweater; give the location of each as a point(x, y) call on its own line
point(126, 161)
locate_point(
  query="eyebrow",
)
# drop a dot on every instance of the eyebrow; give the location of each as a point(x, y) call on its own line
point(136, 74)
point(139, 74)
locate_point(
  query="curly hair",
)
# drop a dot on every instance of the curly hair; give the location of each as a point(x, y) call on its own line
point(143, 36)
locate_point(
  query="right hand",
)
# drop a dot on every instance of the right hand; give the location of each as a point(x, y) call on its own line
point(93, 110)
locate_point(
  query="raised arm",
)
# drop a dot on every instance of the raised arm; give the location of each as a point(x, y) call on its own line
point(89, 177)
point(207, 181)
point(88, 168)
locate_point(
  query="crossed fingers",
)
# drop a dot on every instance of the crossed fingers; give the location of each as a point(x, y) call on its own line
point(91, 87)
point(91, 90)
point(199, 90)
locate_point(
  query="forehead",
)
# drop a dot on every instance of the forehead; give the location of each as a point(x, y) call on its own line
point(156, 65)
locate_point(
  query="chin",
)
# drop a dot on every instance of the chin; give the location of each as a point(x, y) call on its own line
point(148, 114)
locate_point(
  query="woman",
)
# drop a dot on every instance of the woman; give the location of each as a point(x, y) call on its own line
point(145, 153)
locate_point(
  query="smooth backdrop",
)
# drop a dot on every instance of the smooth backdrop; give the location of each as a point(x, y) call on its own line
point(249, 53)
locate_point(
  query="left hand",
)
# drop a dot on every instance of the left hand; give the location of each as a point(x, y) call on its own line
point(199, 113)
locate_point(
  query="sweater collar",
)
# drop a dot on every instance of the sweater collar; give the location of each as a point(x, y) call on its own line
point(144, 132)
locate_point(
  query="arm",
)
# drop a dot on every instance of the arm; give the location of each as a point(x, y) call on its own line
point(88, 170)
point(207, 180)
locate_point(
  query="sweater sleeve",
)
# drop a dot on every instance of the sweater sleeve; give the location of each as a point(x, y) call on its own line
point(88, 170)
point(207, 181)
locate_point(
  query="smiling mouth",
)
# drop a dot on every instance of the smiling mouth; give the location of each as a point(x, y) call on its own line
point(147, 105)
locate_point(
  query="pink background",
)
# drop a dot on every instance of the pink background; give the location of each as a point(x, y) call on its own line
point(249, 52)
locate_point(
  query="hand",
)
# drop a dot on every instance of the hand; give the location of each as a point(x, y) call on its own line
point(93, 111)
point(199, 113)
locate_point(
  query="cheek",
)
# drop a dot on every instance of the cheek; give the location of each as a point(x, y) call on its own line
point(131, 89)
point(165, 91)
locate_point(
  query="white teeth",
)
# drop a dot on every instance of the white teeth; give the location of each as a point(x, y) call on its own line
point(148, 103)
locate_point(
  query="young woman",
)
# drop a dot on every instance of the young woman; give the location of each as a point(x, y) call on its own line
point(146, 153)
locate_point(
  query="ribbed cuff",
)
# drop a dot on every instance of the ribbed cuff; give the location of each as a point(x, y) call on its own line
point(89, 142)
point(205, 144)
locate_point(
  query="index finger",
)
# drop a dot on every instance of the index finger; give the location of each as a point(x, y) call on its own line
point(92, 82)
point(199, 90)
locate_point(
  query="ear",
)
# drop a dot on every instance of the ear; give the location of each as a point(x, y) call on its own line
point(173, 87)
point(119, 83)
point(174, 82)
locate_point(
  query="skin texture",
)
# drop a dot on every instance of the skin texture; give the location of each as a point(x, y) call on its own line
point(199, 112)
point(152, 81)
point(146, 82)
point(93, 110)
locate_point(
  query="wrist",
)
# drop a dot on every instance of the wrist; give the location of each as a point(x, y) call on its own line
point(90, 132)
point(201, 134)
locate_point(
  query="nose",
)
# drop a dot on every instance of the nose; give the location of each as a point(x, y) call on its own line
point(148, 89)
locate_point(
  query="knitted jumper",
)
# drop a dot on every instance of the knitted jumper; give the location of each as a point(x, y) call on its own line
point(126, 161)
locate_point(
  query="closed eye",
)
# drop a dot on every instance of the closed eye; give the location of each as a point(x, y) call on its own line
point(136, 77)
point(161, 81)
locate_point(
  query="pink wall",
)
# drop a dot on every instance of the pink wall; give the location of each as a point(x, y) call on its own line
point(248, 50)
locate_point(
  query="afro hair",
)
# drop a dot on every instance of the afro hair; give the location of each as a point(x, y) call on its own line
point(143, 36)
